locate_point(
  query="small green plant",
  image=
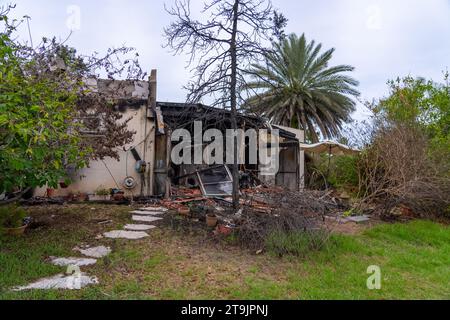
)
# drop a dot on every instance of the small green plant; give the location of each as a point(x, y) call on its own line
point(11, 216)
point(348, 213)
point(101, 191)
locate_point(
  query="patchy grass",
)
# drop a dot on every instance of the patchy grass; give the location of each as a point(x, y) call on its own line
point(295, 243)
point(414, 259)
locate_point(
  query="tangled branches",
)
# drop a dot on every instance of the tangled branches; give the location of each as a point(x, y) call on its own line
point(294, 225)
point(397, 170)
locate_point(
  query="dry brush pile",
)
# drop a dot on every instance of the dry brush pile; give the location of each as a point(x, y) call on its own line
point(295, 223)
point(399, 171)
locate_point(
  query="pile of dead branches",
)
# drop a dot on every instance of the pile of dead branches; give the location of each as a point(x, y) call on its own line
point(398, 172)
point(287, 213)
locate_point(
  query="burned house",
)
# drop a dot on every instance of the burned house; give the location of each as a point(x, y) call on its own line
point(146, 167)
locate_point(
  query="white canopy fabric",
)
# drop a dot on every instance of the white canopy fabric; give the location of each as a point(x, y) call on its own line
point(330, 147)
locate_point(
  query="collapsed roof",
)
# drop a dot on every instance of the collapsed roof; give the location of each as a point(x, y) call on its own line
point(181, 115)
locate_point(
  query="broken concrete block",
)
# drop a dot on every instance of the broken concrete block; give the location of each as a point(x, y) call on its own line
point(95, 252)
point(122, 234)
point(72, 261)
point(145, 218)
point(60, 281)
point(139, 227)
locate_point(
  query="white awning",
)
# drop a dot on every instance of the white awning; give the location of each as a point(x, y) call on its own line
point(330, 147)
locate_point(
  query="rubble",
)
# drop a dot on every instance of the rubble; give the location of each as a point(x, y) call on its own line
point(263, 210)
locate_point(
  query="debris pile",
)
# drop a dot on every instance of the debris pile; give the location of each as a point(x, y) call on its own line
point(270, 210)
point(263, 210)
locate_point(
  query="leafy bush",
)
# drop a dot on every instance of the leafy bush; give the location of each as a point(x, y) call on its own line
point(11, 216)
point(46, 109)
point(344, 172)
point(340, 172)
point(425, 105)
point(101, 191)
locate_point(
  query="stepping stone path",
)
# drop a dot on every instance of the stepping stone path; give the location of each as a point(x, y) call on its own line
point(60, 281)
point(145, 218)
point(148, 213)
point(95, 252)
point(139, 227)
point(137, 231)
point(79, 279)
point(123, 234)
point(154, 209)
point(79, 262)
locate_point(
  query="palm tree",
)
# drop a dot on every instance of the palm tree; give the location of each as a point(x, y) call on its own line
point(297, 87)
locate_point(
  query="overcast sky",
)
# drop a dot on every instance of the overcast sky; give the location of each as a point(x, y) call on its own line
point(382, 39)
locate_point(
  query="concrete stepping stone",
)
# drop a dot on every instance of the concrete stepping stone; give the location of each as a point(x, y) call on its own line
point(122, 234)
point(359, 219)
point(147, 213)
point(145, 218)
point(94, 252)
point(340, 220)
point(139, 227)
point(158, 209)
point(60, 281)
point(72, 261)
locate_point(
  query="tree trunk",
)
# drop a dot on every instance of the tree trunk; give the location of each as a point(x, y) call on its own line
point(233, 97)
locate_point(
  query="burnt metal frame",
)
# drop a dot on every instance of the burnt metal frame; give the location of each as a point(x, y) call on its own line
point(202, 185)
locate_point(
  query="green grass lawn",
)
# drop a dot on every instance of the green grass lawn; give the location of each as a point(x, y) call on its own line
point(414, 259)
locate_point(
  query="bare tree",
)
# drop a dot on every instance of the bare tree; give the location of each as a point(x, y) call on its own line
point(233, 34)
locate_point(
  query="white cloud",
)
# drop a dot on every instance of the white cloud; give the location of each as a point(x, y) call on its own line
point(383, 39)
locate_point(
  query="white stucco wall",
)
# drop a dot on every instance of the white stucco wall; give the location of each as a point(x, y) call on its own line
point(96, 176)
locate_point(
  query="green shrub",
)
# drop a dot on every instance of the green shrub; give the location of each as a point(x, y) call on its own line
point(345, 173)
point(101, 191)
point(11, 216)
point(341, 172)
